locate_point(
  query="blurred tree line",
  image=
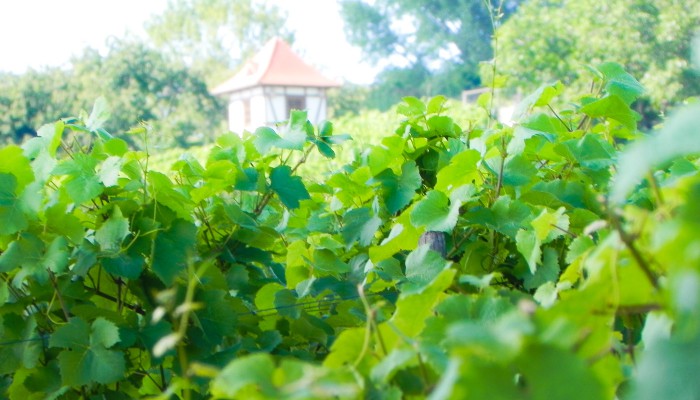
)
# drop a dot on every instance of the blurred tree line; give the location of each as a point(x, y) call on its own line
point(548, 40)
point(160, 80)
point(430, 47)
point(424, 47)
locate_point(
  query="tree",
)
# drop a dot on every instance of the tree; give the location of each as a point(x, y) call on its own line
point(445, 38)
point(140, 82)
point(547, 40)
point(215, 36)
point(31, 99)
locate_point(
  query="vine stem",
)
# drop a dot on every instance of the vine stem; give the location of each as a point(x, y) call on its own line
point(66, 314)
point(628, 241)
point(655, 188)
point(495, 16)
point(559, 118)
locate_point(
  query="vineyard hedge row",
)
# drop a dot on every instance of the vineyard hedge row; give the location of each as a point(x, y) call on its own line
point(554, 259)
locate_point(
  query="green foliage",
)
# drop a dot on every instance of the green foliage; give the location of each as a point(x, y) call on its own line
point(137, 84)
point(424, 47)
point(236, 277)
point(547, 40)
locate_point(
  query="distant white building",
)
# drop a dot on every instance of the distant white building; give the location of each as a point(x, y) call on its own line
point(270, 85)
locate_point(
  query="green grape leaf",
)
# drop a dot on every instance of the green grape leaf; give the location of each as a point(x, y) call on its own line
point(116, 147)
point(99, 116)
point(166, 194)
point(324, 148)
point(11, 214)
point(292, 136)
point(392, 363)
point(172, 249)
point(436, 104)
point(125, 264)
point(403, 236)
point(52, 133)
point(218, 318)
point(540, 97)
point(461, 170)
point(579, 246)
point(591, 151)
point(57, 255)
point(398, 191)
point(266, 138)
point(548, 272)
point(518, 171)
point(109, 170)
point(286, 304)
point(86, 358)
point(411, 107)
point(550, 225)
point(360, 224)
point(434, 213)
point(19, 349)
point(254, 369)
point(82, 183)
point(14, 162)
point(24, 252)
point(506, 216)
point(290, 189)
point(104, 333)
point(112, 232)
point(422, 267)
point(613, 107)
point(544, 368)
point(441, 125)
point(529, 246)
point(326, 261)
point(619, 82)
point(677, 379)
point(325, 128)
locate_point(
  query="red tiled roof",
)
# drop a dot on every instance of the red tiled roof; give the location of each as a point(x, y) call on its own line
point(276, 64)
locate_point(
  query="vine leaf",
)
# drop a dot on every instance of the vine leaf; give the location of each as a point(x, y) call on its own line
point(461, 170)
point(86, 357)
point(528, 245)
point(437, 212)
point(255, 369)
point(290, 189)
point(171, 250)
point(613, 107)
point(82, 183)
point(399, 190)
point(360, 225)
point(11, 215)
point(110, 235)
point(423, 265)
point(14, 162)
point(620, 83)
point(434, 212)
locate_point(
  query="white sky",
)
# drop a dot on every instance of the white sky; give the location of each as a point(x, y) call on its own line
point(39, 33)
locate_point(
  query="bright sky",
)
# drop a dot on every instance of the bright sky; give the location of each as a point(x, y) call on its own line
point(39, 33)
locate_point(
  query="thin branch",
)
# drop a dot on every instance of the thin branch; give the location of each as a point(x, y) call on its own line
point(66, 314)
point(629, 243)
point(559, 118)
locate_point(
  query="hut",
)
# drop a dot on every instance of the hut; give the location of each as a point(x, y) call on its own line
point(270, 85)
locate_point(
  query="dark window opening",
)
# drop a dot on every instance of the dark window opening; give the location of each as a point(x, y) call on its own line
point(246, 112)
point(295, 103)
